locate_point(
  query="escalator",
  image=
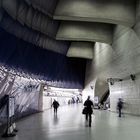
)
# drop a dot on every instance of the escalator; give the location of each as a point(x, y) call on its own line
point(104, 97)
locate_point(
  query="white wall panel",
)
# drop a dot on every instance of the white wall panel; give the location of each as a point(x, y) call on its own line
point(119, 60)
point(129, 91)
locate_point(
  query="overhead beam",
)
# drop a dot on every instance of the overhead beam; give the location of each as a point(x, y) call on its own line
point(81, 50)
point(111, 11)
point(29, 16)
point(85, 31)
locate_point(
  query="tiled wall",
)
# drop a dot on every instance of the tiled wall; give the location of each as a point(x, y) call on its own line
point(130, 92)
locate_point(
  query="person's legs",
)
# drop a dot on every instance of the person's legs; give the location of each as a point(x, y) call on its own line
point(119, 112)
point(86, 119)
point(90, 120)
point(56, 110)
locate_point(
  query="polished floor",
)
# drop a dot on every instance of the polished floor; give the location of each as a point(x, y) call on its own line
point(69, 124)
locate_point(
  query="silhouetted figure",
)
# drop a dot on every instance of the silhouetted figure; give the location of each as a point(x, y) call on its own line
point(88, 107)
point(77, 100)
point(73, 100)
point(120, 106)
point(69, 102)
point(55, 105)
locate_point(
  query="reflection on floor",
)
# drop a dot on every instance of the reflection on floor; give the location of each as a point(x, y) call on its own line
point(69, 124)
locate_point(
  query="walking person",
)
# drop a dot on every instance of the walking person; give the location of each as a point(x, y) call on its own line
point(120, 106)
point(88, 104)
point(55, 105)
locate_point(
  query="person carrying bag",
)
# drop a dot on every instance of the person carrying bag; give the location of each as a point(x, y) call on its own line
point(87, 110)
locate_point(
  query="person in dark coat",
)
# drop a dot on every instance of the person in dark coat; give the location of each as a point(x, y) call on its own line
point(120, 106)
point(55, 105)
point(88, 106)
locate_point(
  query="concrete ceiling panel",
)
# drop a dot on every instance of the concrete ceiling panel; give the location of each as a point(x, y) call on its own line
point(31, 17)
point(111, 11)
point(11, 7)
point(81, 50)
point(45, 6)
point(85, 31)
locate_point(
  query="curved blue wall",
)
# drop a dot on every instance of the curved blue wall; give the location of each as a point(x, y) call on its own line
point(63, 71)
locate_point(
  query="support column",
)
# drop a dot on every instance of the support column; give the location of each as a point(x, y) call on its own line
point(40, 99)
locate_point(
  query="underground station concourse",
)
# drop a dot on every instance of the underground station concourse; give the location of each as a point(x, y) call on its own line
point(59, 56)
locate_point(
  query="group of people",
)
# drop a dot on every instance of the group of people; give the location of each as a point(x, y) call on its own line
point(88, 109)
point(74, 100)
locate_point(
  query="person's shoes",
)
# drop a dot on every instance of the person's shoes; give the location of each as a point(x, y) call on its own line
point(8, 135)
point(15, 130)
point(89, 125)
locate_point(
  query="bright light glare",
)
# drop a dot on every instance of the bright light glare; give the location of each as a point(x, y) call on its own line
point(64, 89)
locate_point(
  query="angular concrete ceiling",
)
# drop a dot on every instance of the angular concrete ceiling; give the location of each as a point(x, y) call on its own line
point(30, 17)
point(81, 50)
point(85, 31)
point(45, 6)
point(70, 27)
point(77, 20)
point(28, 23)
point(110, 11)
point(34, 37)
